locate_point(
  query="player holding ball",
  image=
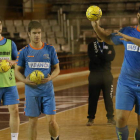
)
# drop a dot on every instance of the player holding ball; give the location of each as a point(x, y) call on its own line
point(39, 95)
point(8, 90)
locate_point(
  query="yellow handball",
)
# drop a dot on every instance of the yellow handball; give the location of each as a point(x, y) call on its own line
point(94, 13)
point(36, 76)
point(4, 66)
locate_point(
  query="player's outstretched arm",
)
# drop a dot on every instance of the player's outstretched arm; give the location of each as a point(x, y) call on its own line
point(20, 76)
point(129, 38)
point(54, 74)
point(101, 33)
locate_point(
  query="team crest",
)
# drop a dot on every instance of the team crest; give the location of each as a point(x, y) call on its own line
point(105, 47)
point(46, 56)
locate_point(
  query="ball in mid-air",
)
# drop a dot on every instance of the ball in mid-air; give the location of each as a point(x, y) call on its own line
point(94, 13)
point(4, 66)
point(36, 76)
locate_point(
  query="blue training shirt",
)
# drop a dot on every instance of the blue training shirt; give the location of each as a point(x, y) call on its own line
point(38, 59)
point(130, 71)
point(14, 48)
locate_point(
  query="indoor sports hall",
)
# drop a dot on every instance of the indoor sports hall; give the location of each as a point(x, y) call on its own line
point(66, 27)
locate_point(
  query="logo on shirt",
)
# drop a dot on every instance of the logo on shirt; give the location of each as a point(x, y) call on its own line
point(95, 47)
point(1, 58)
point(105, 47)
point(30, 56)
point(5, 53)
point(45, 65)
point(46, 56)
point(133, 47)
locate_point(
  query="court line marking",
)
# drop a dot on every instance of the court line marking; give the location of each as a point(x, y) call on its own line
point(117, 138)
point(62, 112)
point(5, 107)
point(56, 114)
point(9, 113)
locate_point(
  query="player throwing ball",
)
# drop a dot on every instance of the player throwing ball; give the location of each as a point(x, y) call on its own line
point(8, 90)
point(128, 86)
point(39, 98)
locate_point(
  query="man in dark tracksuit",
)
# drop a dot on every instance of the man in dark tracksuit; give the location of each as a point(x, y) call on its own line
point(100, 78)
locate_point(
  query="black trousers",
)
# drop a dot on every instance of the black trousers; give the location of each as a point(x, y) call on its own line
point(100, 81)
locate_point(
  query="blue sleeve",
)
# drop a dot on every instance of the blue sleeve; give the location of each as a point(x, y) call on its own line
point(54, 58)
point(14, 51)
point(116, 39)
point(21, 58)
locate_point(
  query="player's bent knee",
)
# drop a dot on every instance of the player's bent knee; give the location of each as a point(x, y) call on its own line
point(52, 123)
point(14, 110)
point(121, 119)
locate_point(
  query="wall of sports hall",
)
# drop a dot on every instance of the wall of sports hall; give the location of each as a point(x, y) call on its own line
point(66, 27)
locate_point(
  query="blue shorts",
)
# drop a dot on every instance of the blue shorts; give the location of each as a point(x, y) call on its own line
point(127, 96)
point(9, 95)
point(34, 106)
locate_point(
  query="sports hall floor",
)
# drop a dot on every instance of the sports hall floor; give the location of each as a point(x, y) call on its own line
point(71, 104)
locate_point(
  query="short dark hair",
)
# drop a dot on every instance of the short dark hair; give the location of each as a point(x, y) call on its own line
point(34, 25)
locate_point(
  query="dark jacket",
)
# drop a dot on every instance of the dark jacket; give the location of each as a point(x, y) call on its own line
point(100, 59)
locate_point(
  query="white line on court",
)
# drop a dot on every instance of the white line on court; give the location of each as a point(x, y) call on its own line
point(117, 138)
point(5, 107)
point(62, 112)
point(56, 114)
point(9, 113)
point(45, 116)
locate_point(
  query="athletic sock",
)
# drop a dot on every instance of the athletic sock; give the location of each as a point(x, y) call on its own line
point(137, 135)
point(14, 136)
point(55, 138)
point(122, 133)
